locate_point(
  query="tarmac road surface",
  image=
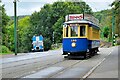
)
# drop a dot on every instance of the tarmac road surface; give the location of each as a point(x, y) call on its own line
point(109, 67)
point(51, 64)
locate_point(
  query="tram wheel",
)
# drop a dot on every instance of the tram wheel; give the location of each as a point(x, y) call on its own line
point(92, 52)
point(89, 55)
point(95, 51)
point(85, 56)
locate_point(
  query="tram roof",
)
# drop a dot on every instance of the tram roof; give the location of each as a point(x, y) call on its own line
point(83, 22)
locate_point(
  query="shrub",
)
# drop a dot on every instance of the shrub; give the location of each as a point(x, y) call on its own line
point(5, 50)
point(47, 44)
point(118, 41)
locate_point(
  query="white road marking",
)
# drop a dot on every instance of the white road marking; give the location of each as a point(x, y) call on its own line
point(86, 75)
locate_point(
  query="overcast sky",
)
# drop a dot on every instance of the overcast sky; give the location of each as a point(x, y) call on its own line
point(27, 7)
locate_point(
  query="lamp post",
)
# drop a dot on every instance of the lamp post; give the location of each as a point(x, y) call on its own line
point(15, 27)
point(113, 26)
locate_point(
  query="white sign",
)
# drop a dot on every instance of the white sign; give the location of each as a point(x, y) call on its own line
point(74, 17)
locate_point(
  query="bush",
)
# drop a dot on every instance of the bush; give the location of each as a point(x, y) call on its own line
point(56, 46)
point(47, 44)
point(106, 31)
point(118, 41)
point(5, 50)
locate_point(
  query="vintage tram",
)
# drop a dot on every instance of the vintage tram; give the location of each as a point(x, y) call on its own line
point(37, 42)
point(81, 35)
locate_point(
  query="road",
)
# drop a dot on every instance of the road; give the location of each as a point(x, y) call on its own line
point(109, 67)
point(51, 64)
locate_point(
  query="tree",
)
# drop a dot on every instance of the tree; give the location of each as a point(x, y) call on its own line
point(57, 27)
point(105, 20)
point(41, 24)
point(9, 36)
point(106, 31)
point(4, 20)
point(23, 39)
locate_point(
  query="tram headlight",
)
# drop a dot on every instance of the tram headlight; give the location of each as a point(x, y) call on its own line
point(73, 44)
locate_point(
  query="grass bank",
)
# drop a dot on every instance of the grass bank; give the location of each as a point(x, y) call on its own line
point(56, 46)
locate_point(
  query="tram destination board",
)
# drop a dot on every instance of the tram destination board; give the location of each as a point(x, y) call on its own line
point(73, 17)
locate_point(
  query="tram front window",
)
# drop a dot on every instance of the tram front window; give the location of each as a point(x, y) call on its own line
point(74, 31)
point(82, 30)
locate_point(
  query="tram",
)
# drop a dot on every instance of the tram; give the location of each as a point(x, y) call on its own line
point(81, 35)
point(37, 42)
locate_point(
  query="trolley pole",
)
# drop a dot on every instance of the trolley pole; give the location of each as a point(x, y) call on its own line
point(15, 27)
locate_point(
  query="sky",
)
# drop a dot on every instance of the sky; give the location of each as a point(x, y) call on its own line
point(27, 7)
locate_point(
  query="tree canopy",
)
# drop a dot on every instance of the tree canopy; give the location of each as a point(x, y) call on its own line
point(4, 20)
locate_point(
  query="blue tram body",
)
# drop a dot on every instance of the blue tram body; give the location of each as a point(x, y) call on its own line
point(81, 45)
point(80, 36)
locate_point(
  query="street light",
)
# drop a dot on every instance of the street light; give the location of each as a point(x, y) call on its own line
point(15, 26)
point(113, 24)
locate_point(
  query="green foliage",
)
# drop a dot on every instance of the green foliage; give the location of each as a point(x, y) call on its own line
point(47, 43)
point(105, 19)
point(5, 50)
point(105, 23)
point(5, 19)
point(57, 27)
point(41, 25)
point(56, 46)
point(24, 41)
point(118, 41)
point(22, 35)
point(9, 36)
point(106, 31)
point(3, 36)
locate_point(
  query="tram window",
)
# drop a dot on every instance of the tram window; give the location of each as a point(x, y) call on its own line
point(66, 32)
point(82, 30)
point(74, 31)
